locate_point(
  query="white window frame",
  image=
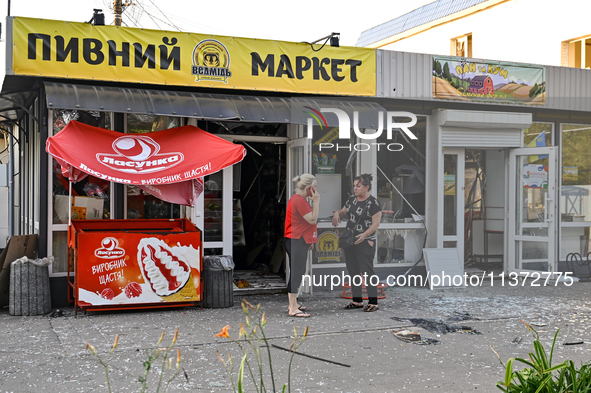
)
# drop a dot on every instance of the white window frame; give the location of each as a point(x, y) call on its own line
point(51, 227)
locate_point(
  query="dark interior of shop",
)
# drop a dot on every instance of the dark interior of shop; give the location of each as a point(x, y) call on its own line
point(258, 196)
point(260, 187)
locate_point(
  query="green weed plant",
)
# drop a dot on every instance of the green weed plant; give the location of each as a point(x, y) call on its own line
point(540, 376)
point(158, 357)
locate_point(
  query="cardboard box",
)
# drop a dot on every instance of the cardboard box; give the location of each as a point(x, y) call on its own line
point(17, 247)
point(88, 208)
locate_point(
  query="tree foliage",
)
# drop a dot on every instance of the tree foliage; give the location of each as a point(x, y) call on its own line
point(446, 73)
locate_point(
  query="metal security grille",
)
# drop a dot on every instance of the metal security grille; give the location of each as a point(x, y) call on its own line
point(484, 138)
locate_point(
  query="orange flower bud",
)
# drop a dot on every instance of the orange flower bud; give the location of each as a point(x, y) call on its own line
point(115, 343)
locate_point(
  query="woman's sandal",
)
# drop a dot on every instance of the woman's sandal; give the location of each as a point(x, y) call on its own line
point(352, 306)
point(301, 308)
point(371, 307)
point(300, 314)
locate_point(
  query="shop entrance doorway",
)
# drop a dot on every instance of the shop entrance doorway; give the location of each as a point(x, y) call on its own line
point(259, 184)
point(474, 206)
point(498, 208)
point(484, 208)
point(242, 208)
point(244, 211)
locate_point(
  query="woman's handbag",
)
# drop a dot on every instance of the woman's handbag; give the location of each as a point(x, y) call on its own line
point(347, 237)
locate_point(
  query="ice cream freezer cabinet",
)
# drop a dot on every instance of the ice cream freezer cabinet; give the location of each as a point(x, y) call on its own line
point(122, 264)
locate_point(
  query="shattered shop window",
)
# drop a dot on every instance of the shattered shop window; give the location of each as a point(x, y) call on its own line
point(142, 123)
point(243, 128)
point(401, 192)
point(61, 117)
point(401, 172)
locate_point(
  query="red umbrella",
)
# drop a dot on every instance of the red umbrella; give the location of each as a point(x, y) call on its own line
point(168, 164)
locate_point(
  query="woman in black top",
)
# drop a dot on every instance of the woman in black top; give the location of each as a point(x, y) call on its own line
point(364, 215)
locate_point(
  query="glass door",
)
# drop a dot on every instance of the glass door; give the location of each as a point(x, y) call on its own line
point(298, 159)
point(453, 200)
point(217, 206)
point(531, 210)
point(298, 162)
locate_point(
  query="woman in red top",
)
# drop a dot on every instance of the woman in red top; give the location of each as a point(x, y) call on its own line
point(300, 234)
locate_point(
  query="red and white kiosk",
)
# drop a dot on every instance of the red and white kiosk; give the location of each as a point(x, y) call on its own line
point(121, 264)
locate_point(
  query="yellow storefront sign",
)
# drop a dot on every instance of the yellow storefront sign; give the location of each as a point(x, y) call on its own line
point(108, 53)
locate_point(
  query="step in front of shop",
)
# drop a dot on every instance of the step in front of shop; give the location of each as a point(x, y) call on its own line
point(255, 283)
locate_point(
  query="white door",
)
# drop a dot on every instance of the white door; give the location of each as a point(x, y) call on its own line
point(532, 189)
point(298, 162)
point(453, 200)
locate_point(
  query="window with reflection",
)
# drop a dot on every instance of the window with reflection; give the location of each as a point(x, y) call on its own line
point(212, 202)
point(90, 196)
point(575, 190)
point(538, 135)
point(575, 201)
point(450, 194)
point(90, 191)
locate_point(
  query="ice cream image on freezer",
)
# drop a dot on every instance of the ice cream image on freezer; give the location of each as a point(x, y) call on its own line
point(167, 272)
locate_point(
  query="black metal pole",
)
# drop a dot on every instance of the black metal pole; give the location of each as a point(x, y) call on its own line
point(311, 357)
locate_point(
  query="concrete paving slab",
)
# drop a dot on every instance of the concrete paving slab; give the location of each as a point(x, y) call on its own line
point(48, 354)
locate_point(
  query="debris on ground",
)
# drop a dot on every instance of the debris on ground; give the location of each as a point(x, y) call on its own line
point(517, 340)
point(242, 283)
point(57, 313)
point(414, 337)
point(461, 316)
point(436, 325)
point(575, 343)
point(310, 356)
point(251, 281)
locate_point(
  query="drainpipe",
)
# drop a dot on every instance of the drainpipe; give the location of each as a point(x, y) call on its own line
point(11, 182)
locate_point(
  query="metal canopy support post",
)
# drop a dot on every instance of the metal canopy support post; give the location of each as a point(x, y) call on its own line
point(11, 183)
point(44, 125)
point(69, 203)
